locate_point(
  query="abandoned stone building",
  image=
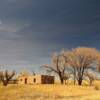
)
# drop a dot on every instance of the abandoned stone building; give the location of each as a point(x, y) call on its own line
point(36, 79)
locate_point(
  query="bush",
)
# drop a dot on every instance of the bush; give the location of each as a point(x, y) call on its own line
point(97, 88)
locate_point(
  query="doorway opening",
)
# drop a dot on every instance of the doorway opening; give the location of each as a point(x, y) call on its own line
point(25, 80)
point(34, 80)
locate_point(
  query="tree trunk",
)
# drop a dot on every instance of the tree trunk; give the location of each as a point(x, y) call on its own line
point(80, 81)
point(5, 83)
point(61, 80)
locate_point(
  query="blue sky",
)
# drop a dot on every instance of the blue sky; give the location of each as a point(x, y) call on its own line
point(31, 30)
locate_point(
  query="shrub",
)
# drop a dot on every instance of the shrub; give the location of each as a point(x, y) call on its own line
point(97, 88)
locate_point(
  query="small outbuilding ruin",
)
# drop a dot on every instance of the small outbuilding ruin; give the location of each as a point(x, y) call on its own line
point(36, 79)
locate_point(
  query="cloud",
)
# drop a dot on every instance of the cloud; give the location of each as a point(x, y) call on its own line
point(30, 30)
point(0, 22)
point(7, 29)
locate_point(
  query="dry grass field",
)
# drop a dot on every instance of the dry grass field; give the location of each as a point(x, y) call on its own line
point(50, 92)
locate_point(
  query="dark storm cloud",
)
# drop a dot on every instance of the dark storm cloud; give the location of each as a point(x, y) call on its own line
point(30, 30)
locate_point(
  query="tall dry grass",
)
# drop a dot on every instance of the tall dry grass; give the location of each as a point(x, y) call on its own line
point(50, 92)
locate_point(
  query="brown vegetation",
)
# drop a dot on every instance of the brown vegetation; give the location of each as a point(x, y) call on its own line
point(79, 60)
point(58, 66)
point(6, 76)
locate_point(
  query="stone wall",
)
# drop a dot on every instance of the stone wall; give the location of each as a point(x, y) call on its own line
point(36, 79)
point(47, 79)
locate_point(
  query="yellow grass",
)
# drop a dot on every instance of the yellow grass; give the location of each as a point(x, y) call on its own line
point(50, 92)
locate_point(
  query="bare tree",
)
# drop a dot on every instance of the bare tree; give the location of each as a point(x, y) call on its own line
point(58, 66)
point(81, 59)
point(6, 76)
point(91, 76)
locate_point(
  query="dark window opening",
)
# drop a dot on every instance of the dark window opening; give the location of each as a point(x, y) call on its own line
point(34, 80)
point(25, 80)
